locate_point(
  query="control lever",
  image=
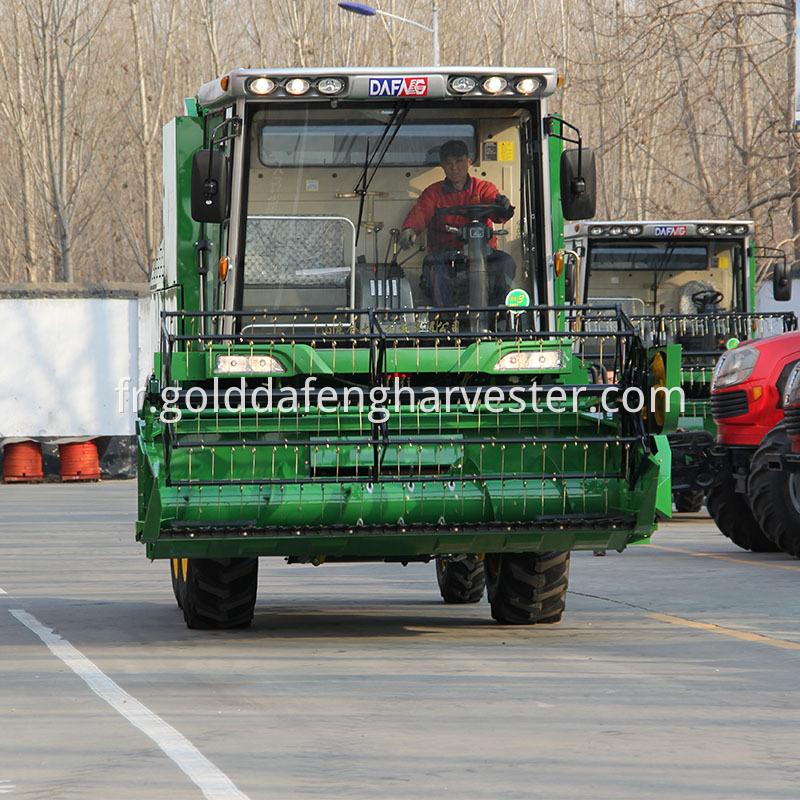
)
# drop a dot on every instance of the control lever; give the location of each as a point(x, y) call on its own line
point(415, 252)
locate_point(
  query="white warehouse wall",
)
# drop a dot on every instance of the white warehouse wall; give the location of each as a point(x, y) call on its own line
point(61, 359)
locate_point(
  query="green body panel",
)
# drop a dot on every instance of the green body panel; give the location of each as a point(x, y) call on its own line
point(671, 358)
point(556, 147)
point(664, 493)
point(189, 138)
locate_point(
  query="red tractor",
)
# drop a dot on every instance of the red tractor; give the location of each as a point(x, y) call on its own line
point(755, 497)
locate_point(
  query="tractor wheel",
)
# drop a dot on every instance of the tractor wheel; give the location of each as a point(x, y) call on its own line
point(176, 570)
point(527, 588)
point(689, 500)
point(775, 495)
point(733, 517)
point(461, 579)
point(220, 593)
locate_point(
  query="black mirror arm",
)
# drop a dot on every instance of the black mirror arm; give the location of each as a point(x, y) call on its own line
point(235, 124)
point(578, 184)
point(210, 186)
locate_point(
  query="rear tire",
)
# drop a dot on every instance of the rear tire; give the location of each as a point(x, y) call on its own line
point(462, 579)
point(527, 588)
point(775, 495)
point(733, 516)
point(688, 501)
point(220, 593)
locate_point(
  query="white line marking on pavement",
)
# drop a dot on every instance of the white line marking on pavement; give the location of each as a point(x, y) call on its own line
point(6, 787)
point(3, 591)
point(214, 784)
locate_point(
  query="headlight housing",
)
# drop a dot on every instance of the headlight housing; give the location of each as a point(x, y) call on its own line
point(463, 84)
point(530, 360)
point(494, 85)
point(735, 366)
point(791, 395)
point(250, 365)
point(261, 86)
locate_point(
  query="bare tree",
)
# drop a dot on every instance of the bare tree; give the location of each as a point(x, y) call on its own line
point(62, 35)
point(687, 103)
point(152, 45)
point(25, 214)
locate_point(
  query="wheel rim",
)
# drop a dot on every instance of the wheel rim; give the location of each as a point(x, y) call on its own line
point(794, 491)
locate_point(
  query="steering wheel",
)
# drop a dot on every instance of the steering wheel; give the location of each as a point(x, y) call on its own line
point(706, 297)
point(473, 211)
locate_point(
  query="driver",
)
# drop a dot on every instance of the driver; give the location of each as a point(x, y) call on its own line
point(458, 188)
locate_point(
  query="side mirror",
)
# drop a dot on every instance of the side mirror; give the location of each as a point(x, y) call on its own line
point(578, 183)
point(781, 280)
point(210, 186)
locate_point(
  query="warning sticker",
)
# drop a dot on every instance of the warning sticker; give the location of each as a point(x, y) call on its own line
point(505, 151)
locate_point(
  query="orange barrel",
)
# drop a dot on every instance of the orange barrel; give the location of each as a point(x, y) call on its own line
point(79, 461)
point(22, 462)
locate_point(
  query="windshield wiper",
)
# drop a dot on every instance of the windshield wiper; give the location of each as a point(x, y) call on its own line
point(658, 274)
point(374, 161)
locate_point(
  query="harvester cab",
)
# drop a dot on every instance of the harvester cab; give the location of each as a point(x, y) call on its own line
point(688, 282)
point(321, 395)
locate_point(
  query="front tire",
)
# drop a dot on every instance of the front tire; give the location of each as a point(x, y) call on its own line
point(688, 501)
point(733, 516)
point(775, 495)
point(220, 593)
point(461, 579)
point(527, 588)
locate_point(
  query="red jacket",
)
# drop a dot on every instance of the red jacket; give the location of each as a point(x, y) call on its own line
point(443, 194)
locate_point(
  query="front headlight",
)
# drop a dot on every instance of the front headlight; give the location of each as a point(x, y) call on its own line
point(734, 367)
point(251, 365)
point(530, 359)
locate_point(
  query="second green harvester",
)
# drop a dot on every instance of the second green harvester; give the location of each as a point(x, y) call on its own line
point(690, 282)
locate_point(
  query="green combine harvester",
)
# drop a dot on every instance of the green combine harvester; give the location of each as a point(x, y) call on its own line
point(690, 282)
point(312, 396)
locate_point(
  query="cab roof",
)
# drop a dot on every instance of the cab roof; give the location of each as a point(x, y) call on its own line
point(379, 83)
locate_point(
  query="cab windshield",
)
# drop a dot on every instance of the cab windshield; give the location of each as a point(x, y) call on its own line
point(330, 191)
point(668, 277)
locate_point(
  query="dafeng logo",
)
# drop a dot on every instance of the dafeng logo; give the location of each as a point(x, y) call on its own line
point(670, 230)
point(398, 87)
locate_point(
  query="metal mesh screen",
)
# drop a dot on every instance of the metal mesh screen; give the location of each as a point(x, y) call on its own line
point(294, 252)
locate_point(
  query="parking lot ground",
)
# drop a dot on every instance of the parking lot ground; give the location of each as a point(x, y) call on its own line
point(672, 675)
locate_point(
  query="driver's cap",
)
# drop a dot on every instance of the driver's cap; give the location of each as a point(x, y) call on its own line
point(453, 148)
